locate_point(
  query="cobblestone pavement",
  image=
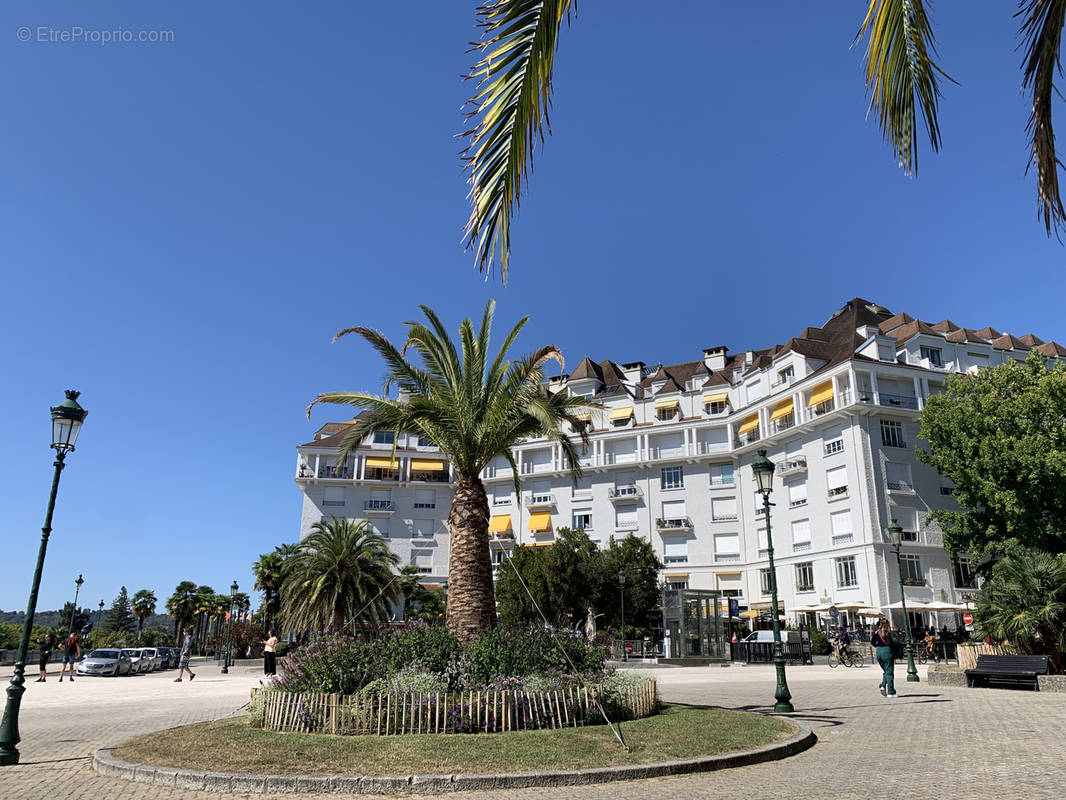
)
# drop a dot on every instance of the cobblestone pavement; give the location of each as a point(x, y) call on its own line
point(930, 742)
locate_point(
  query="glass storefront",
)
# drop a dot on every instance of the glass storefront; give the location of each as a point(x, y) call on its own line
point(694, 621)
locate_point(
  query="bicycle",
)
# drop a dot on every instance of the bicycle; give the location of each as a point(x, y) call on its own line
point(849, 658)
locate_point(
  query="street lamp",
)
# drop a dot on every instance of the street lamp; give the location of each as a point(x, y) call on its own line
point(232, 614)
point(622, 593)
point(895, 534)
point(100, 613)
point(67, 418)
point(73, 611)
point(764, 480)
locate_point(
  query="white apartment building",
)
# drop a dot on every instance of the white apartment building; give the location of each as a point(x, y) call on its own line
point(836, 409)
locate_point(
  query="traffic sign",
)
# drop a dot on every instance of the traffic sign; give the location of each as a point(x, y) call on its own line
point(967, 619)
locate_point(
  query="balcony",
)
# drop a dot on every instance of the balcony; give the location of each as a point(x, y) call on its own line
point(744, 439)
point(675, 560)
point(622, 493)
point(914, 581)
point(798, 502)
point(382, 507)
point(627, 525)
point(824, 407)
point(804, 587)
point(783, 380)
point(839, 491)
point(544, 500)
point(795, 467)
point(723, 517)
point(784, 423)
point(674, 524)
point(897, 401)
point(722, 558)
point(801, 547)
point(900, 486)
point(335, 472)
point(382, 474)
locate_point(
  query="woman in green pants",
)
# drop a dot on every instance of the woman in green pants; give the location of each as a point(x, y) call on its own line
point(882, 641)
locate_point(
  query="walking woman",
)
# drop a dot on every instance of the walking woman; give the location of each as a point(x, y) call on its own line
point(882, 642)
point(270, 660)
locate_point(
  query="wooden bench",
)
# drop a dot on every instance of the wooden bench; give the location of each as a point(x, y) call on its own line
point(1007, 670)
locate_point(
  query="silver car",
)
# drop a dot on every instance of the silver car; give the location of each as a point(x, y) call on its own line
point(105, 661)
point(154, 657)
point(137, 658)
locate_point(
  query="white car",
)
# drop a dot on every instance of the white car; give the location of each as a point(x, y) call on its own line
point(154, 658)
point(137, 658)
point(105, 661)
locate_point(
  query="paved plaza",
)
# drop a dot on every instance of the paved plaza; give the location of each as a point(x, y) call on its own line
point(931, 742)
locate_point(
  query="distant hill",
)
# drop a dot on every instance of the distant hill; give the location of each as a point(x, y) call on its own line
point(52, 618)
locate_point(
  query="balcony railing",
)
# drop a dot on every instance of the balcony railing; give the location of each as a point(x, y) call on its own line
point(783, 380)
point(804, 587)
point(627, 526)
point(675, 559)
point(717, 516)
point(381, 474)
point(838, 491)
point(674, 524)
point(900, 486)
point(381, 506)
point(726, 557)
point(784, 423)
point(802, 501)
point(897, 400)
point(705, 448)
point(793, 467)
point(914, 581)
point(333, 471)
point(823, 408)
point(631, 492)
point(746, 438)
point(430, 477)
point(541, 500)
point(720, 481)
point(800, 547)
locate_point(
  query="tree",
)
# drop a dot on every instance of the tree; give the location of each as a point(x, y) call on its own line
point(119, 619)
point(342, 573)
point(420, 604)
point(203, 605)
point(635, 557)
point(1025, 603)
point(269, 571)
point(1000, 436)
point(510, 105)
point(143, 606)
point(81, 617)
point(475, 410)
point(181, 606)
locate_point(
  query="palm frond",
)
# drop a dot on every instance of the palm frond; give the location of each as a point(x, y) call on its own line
point(1042, 32)
point(511, 103)
point(901, 76)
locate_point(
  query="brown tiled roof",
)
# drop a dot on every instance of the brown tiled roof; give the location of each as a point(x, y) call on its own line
point(989, 332)
point(612, 373)
point(1051, 349)
point(677, 373)
point(895, 321)
point(1008, 342)
point(1032, 340)
point(963, 335)
point(586, 369)
point(945, 326)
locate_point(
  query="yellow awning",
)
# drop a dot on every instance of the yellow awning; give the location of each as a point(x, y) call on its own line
point(420, 465)
point(821, 393)
point(731, 574)
point(717, 397)
point(540, 522)
point(583, 417)
point(782, 410)
point(540, 544)
point(676, 575)
point(750, 424)
point(662, 405)
point(384, 463)
point(621, 413)
point(500, 523)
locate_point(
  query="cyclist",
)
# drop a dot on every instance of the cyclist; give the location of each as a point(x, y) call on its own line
point(930, 645)
point(844, 644)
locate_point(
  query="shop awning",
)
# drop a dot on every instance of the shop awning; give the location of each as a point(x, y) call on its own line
point(500, 523)
point(717, 397)
point(421, 465)
point(621, 413)
point(540, 522)
point(782, 410)
point(664, 405)
point(384, 463)
point(821, 393)
point(750, 424)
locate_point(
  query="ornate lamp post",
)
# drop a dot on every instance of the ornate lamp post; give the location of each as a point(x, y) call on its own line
point(895, 534)
point(622, 593)
point(764, 479)
point(73, 611)
point(100, 613)
point(232, 619)
point(67, 418)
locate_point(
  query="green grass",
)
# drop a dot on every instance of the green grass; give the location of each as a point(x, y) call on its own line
point(232, 745)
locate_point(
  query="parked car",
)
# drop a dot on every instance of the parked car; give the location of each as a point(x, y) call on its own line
point(136, 656)
point(155, 661)
point(105, 661)
point(169, 657)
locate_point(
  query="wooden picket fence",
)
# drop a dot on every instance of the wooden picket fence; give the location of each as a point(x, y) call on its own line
point(453, 712)
point(969, 651)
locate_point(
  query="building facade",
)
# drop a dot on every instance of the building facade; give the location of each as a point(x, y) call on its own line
point(836, 408)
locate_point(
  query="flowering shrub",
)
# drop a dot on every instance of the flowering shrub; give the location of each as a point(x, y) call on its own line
point(503, 652)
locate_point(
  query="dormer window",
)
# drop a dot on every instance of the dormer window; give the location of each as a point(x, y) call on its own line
point(933, 356)
point(785, 376)
point(717, 403)
point(657, 385)
point(666, 410)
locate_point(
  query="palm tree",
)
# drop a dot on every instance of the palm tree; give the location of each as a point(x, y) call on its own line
point(342, 573)
point(269, 571)
point(1025, 603)
point(143, 606)
point(181, 606)
point(203, 602)
point(510, 105)
point(474, 409)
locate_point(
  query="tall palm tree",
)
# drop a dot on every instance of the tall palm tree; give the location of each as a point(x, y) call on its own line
point(1025, 603)
point(143, 606)
point(474, 408)
point(342, 573)
point(509, 109)
point(268, 571)
point(181, 606)
point(203, 602)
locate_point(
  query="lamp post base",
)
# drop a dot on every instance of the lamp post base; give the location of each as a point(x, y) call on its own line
point(782, 695)
point(9, 730)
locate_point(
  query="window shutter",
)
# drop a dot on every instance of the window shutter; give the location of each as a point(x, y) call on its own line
point(801, 531)
point(837, 478)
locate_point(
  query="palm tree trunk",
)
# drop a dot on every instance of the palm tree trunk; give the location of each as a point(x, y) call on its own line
point(471, 598)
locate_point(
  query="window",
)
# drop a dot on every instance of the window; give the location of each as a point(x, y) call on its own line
point(947, 490)
point(898, 477)
point(427, 498)
point(423, 528)
point(674, 509)
point(381, 527)
point(716, 407)
point(841, 526)
point(847, 575)
point(582, 520)
point(423, 559)
point(676, 583)
point(759, 504)
point(797, 494)
point(892, 433)
point(805, 576)
point(666, 413)
point(801, 535)
point(836, 481)
point(724, 509)
point(673, 478)
point(380, 500)
point(626, 519)
point(835, 446)
point(932, 355)
point(910, 569)
point(964, 575)
point(727, 547)
point(754, 391)
point(384, 437)
point(764, 581)
point(785, 375)
point(675, 550)
point(722, 475)
point(424, 442)
point(334, 496)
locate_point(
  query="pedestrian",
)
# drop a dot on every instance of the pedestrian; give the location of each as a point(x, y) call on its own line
point(71, 654)
point(47, 644)
point(270, 658)
point(882, 642)
point(183, 659)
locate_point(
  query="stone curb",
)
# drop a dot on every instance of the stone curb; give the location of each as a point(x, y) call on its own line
point(109, 765)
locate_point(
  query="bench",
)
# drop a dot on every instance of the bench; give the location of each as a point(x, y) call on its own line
point(1007, 670)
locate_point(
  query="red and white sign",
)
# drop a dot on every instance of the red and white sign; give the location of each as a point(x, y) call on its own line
point(967, 619)
point(629, 647)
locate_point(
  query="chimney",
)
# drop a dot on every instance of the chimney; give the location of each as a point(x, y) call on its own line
point(633, 371)
point(714, 358)
point(868, 331)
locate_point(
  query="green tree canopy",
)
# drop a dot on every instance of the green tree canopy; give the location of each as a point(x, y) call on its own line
point(143, 606)
point(119, 618)
point(1000, 436)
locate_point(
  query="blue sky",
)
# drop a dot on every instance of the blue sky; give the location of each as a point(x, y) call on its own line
point(184, 225)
